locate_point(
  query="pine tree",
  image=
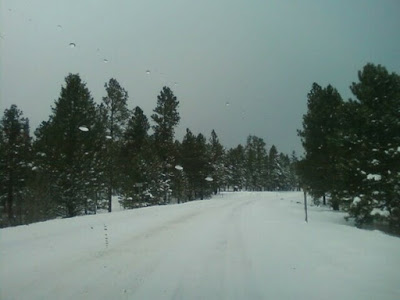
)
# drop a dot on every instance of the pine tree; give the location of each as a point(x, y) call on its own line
point(204, 167)
point(321, 130)
point(180, 182)
point(68, 144)
point(166, 118)
point(255, 161)
point(15, 162)
point(294, 180)
point(284, 173)
point(189, 163)
point(373, 136)
point(217, 156)
point(196, 163)
point(274, 169)
point(134, 155)
point(116, 115)
point(43, 202)
point(236, 166)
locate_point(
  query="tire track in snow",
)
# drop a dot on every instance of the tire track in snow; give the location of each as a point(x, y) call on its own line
point(142, 253)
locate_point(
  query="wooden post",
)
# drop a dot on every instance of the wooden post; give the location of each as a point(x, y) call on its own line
point(305, 203)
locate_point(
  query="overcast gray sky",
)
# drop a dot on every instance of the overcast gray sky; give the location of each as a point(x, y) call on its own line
point(239, 67)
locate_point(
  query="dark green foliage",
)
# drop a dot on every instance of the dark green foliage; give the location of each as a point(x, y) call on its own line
point(196, 165)
point(293, 177)
point(255, 157)
point(136, 134)
point(217, 163)
point(135, 158)
point(115, 114)
point(68, 151)
point(83, 153)
point(274, 169)
point(321, 130)
point(166, 117)
point(286, 180)
point(251, 168)
point(15, 164)
point(236, 165)
point(374, 136)
point(180, 183)
point(115, 108)
point(352, 148)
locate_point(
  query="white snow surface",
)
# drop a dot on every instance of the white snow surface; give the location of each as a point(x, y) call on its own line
point(239, 245)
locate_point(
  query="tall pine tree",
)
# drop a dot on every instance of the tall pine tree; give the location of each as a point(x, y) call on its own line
point(135, 155)
point(15, 160)
point(68, 143)
point(373, 136)
point(255, 163)
point(217, 157)
point(116, 115)
point(166, 118)
point(236, 167)
point(320, 134)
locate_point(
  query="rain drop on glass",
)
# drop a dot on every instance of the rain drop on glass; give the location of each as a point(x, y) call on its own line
point(83, 128)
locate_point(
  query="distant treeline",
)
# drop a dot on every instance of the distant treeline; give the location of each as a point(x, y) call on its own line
point(87, 152)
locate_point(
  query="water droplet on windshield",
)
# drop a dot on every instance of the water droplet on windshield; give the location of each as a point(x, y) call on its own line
point(227, 103)
point(105, 61)
point(175, 83)
point(59, 26)
point(148, 72)
point(72, 45)
point(83, 128)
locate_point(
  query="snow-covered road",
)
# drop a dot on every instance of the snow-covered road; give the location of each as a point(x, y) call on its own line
point(235, 246)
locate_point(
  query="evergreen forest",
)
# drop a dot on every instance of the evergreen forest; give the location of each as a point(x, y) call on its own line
point(88, 151)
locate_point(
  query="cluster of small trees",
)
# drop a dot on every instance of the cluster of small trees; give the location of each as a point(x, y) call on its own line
point(86, 152)
point(352, 148)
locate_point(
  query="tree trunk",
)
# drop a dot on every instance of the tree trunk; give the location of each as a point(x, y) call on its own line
point(335, 203)
point(324, 199)
point(109, 197)
point(305, 205)
point(86, 206)
point(9, 208)
point(111, 158)
point(70, 209)
point(10, 200)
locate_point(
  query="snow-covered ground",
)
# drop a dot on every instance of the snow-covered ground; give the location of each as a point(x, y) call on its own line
point(235, 246)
